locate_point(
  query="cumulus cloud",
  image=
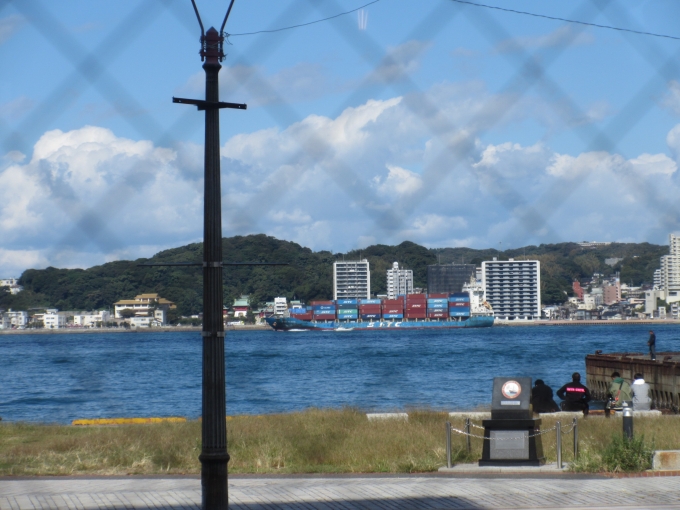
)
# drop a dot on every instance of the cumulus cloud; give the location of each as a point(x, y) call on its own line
point(379, 172)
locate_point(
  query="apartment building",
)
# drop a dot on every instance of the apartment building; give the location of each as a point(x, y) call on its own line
point(399, 281)
point(513, 288)
point(351, 280)
point(449, 278)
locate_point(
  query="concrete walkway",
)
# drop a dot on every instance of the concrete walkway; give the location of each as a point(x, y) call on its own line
point(345, 493)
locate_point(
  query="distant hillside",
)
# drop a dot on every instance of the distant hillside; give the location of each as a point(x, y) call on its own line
point(309, 275)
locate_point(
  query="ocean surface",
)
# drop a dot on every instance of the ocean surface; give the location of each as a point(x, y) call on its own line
point(62, 377)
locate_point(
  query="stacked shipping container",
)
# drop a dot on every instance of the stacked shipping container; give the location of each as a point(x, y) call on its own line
point(411, 306)
point(416, 306)
point(459, 305)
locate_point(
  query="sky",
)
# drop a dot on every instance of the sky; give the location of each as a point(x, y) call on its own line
point(437, 122)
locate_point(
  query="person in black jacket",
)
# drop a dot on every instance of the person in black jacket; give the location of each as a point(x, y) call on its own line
point(542, 398)
point(575, 395)
point(652, 345)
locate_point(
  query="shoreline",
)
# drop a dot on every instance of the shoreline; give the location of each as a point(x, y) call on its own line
point(255, 327)
point(167, 329)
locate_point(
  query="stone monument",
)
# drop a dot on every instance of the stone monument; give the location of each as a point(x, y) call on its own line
point(510, 434)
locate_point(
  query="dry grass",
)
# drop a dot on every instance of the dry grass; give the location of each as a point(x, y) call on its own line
point(314, 441)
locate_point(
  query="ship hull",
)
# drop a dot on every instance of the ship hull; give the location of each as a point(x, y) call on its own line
point(292, 324)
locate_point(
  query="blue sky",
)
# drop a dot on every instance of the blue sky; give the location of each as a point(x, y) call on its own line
point(436, 122)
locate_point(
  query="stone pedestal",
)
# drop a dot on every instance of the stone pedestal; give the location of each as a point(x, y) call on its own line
point(512, 443)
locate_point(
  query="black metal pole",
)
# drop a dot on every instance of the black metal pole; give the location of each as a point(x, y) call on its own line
point(214, 456)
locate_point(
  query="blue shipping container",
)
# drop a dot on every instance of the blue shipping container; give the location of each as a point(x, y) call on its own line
point(370, 316)
point(459, 299)
point(348, 317)
point(459, 294)
point(298, 310)
point(437, 306)
point(458, 313)
point(437, 300)
point(393, 316)
point(369, 301)
point(347, 301)
point(323, 307)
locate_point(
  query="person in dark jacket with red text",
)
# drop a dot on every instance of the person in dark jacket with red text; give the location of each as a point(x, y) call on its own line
point(575, 395)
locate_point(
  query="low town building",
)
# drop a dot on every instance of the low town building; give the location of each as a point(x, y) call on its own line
point(93, 320)
point(14, 320)
point(145, 305)
point(241, 306)
point(52, 319)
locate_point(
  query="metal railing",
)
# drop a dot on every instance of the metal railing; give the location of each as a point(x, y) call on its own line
point(468, 435)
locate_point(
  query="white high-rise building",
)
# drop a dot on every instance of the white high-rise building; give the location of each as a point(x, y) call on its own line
point(513, 288)
point(280, 305)
point(399, 281)
point(670, 270)
point(351, 280)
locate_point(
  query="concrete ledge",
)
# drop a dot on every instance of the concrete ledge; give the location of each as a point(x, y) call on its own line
point(475, 415)
point(640, 414)
point(563, 414)
point(665, 460)
point(476, 469)
point(387, 416)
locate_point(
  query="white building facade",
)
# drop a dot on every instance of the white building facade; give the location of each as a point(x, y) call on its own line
point(54, 320)
point(280, 305)
point(92, 320)
point(15, 319)
point(670, 270)
point(399, 281)
point(513, 288)
point(351, 280)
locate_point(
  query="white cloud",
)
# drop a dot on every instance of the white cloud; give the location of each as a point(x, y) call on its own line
point(9, 26)
point(398, 182)
point(379, 172)
point(565, 35)
point(254, 86)
point(399, 62)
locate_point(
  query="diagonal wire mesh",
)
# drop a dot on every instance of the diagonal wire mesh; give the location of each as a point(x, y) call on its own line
point(451, 147)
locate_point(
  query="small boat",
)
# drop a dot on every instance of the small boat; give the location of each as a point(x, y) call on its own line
point(343, 329)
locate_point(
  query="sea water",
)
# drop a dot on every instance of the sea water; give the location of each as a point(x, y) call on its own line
point(62, 377)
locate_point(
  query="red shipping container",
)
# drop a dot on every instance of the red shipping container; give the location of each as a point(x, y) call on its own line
point(438, 296)
point(325, 317)
point(392, 302)
point(302, 316)
point(421, 306)
point(392, 310)
point(321, 303)
point(415, 315)
point(416, 296)
point(460, 303)
point(369, 307)
point(438, 315)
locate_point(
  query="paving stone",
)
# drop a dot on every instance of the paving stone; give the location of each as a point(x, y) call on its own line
point(346, 493)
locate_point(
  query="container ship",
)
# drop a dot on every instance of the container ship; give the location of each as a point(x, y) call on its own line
point(465, 309)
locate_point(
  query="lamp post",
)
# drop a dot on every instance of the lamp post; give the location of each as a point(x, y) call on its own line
point(214, 456)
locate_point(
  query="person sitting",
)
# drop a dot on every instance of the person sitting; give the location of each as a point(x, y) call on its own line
point(640, 389)
point(575, 395)
point(542, 398)
point(619, 393)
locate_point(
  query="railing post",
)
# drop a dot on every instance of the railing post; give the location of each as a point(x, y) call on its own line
point(627, 422)
point(575, 439)
point(558, 446)
point(448, 444)
point(467, 435)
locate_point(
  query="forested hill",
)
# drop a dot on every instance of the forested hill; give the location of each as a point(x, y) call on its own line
point(308, 275)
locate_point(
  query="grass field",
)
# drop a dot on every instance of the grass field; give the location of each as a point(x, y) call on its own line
point(314, 441)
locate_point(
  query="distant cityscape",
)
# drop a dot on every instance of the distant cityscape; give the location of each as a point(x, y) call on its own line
point(511, 289)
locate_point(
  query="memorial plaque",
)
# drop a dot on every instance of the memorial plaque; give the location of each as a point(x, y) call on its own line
point(509, 444)
point(511, 398)
point(512, 433)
